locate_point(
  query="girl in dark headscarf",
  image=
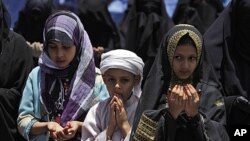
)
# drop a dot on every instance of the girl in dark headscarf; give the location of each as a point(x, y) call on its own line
point(227, 41)
point(180, 77)
point(15, 65)
point(147, 26)
point(64, 85)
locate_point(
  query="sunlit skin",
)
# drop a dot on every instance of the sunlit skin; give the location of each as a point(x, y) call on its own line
point(60, 54)
point(120, 84)
point(184, 97)
point(184, 61)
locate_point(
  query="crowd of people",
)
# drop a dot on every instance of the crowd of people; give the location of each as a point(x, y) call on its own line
point(125, 70)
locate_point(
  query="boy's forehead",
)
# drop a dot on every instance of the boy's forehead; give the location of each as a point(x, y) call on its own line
point(117, 72)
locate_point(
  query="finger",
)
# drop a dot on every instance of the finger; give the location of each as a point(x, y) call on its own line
point(189, 93)
point(173, 93)
point(183, 95)
point(194, 93)
point(177, 96)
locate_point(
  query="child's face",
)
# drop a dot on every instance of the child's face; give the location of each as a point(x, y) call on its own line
point(120, 82)
point(184, 61)
point(60, 54)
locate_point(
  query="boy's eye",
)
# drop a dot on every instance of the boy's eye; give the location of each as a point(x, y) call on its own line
point(111, 80)
point(124, 80)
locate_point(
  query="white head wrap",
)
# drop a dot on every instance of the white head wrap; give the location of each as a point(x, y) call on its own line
point(125, 60)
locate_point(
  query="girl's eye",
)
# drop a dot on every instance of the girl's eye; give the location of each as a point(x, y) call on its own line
point(193, 58)
point(177, 57)
point(66, 47)
point(51, 46)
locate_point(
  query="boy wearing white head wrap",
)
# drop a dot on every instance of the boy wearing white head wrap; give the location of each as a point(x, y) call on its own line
point(112, 119)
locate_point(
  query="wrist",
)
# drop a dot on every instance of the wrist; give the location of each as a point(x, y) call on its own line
point(109, 134)
point(125, 129)
point(108, 138)
point(194, 120)
point(173, 114)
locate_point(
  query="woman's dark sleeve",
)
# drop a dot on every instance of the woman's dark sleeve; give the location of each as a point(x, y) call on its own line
point(204, 129)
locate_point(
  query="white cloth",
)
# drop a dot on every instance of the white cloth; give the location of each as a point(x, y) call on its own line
point(96, 121)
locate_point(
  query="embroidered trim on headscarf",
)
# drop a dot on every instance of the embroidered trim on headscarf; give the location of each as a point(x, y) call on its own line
point(146, 129)
point(172, 43)
point(175, 38)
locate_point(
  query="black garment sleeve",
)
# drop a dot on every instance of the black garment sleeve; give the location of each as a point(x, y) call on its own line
point(15, 64)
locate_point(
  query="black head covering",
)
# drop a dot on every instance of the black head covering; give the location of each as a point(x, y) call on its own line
point(160, 76)
point(147, 26)
point(32, 19)
point(5, 22)
point(99, 24)
point(227, 41)
point(198, 13)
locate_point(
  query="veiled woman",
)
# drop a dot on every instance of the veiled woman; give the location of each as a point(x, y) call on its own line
point(147, 25)
point(15, 65)
point(181, 99)
point(227, 40)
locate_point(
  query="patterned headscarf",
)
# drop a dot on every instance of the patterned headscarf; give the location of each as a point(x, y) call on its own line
point(82, 68)
point(125, 60)
point(174, 37)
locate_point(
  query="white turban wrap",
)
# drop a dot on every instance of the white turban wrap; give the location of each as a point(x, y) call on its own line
point(125, 60)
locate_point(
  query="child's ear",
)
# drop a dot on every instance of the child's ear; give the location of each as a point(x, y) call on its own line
point(137, 79)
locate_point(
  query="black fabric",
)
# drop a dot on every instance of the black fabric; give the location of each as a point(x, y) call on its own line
point(197, 129)
point(32, 18)
point(15, 65)
point(158, 81)
point(227, 42)
point(198, 13)
point(148, 24)
point(98, 23)
point(100, 26)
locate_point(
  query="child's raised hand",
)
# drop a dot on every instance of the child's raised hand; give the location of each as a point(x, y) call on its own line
point(176, 100)
point(112, 118)
point(121, 115)
point(193, 100)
